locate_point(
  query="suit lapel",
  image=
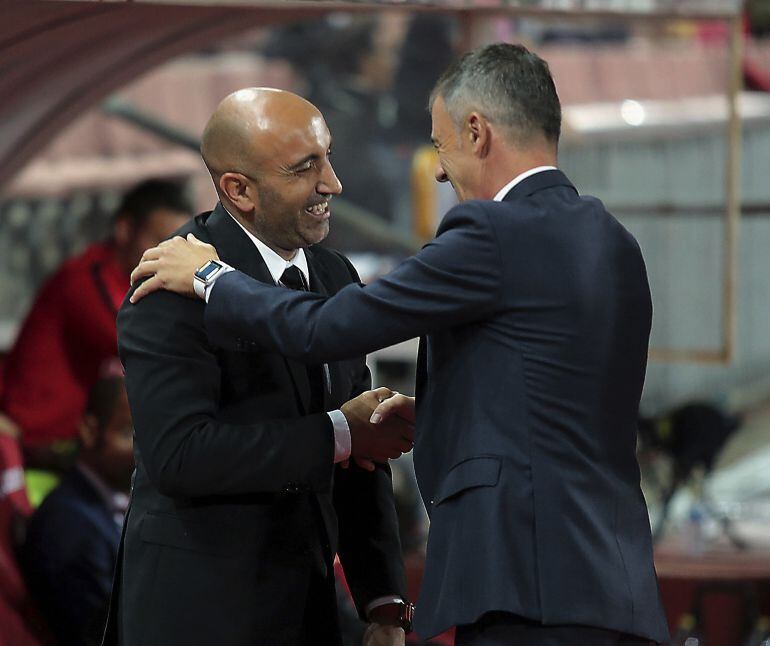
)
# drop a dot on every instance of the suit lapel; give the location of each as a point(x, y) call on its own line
point(236, 249)
point(319, 283)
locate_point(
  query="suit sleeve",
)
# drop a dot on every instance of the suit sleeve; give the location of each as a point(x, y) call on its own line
point(369, 542)
point(455, 279)
point(173, 384)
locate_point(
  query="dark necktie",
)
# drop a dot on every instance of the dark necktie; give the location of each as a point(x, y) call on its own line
point(293, 279)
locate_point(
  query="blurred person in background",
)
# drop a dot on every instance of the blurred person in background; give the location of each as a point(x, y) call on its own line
point(351, 83)
point(70, 329)
point(240, 500)
point(71, 547)
point(18, 619)
point(536, 311)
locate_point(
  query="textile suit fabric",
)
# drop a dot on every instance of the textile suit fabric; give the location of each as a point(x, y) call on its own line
point(237, 508)
point(536, 313)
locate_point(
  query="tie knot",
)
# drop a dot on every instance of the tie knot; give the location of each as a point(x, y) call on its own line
point(293, 279)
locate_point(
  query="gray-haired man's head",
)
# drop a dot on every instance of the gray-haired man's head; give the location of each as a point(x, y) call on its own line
point(511, 86)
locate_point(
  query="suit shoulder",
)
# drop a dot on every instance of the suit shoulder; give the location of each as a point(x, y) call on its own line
point(610, 222)
point(473, 214)
point(335, 261)
point(195, 225)
point(323, 254)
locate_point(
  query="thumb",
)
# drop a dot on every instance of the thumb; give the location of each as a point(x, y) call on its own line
point(192, 239)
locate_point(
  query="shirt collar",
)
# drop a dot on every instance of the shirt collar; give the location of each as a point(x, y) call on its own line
point(275, 264)
point(519, 178)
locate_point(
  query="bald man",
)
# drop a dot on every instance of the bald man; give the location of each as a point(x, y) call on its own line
point(253, 470)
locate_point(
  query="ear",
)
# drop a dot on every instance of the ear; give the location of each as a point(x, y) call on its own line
point(236, 188)
point(88, 432)
point(479, 134)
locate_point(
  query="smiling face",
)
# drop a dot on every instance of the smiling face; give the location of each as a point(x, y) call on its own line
point(294, 186)
point(457, 163)
point(268, 152)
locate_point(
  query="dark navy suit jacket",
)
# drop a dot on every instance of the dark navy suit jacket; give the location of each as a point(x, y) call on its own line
point(537, 313)
point(69, 557)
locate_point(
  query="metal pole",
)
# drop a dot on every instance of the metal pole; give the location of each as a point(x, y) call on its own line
point(732, 188)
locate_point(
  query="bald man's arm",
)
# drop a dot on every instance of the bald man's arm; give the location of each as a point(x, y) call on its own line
point(188, 447)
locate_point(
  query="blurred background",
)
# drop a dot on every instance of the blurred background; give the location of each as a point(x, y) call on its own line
point(666, 119)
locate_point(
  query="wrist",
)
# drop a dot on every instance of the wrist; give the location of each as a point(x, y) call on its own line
point(398, 613)
point(205, 276)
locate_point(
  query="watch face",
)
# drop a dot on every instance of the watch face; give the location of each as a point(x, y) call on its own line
point(210, 268)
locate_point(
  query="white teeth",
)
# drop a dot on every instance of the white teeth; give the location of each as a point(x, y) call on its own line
point(318, 209)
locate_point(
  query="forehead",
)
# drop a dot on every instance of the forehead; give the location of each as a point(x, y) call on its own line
point(440, 118)
point(309, 135)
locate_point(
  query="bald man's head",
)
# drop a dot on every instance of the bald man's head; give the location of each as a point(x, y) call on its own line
point(267, 151)
point(247, 123)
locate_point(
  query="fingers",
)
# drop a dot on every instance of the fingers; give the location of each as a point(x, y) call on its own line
point(382, 393)
point(366, 465)
point(398, 404)
point(212, 252)
point(379, 635)
point(153, 253)
point(147, 287)
point(193, 240)
point(143, 269)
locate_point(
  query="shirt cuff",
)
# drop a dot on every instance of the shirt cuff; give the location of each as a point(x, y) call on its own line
point(341, 435)
point(381, 601)
point(204, 291)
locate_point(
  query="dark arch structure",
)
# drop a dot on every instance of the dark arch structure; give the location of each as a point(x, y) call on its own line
point(59, 58)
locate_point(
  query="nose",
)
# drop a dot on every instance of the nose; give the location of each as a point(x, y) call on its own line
point(329, 183)
point(440, 173)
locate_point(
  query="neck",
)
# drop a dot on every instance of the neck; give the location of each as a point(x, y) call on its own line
point(286, 254)
point(503, 168)
point(244, 220)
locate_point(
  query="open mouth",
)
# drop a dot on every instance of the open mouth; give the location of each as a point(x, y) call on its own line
point(320, 210)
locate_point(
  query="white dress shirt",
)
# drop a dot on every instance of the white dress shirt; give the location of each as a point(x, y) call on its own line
point(520, 178)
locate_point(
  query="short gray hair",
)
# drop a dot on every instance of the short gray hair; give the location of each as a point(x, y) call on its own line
point(509, 85)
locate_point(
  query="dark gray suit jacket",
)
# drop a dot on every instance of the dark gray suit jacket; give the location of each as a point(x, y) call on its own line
point(537, 313)
point(236, 502)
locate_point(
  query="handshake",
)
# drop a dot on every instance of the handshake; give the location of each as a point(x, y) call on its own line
point(381, 425)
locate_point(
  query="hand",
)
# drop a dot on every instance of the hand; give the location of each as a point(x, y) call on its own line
point(370, 443)
point(171, 265)
point(378, 635)
point(399, 405)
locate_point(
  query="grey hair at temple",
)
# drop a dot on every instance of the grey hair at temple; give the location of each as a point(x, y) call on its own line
point(507, 84)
